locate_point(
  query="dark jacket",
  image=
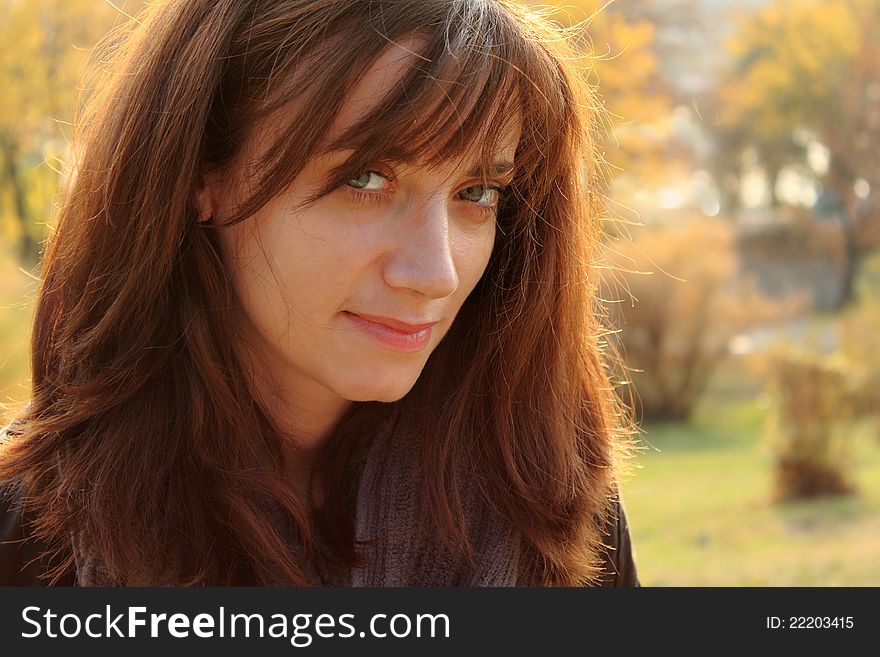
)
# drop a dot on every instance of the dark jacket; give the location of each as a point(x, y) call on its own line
point(22, 559)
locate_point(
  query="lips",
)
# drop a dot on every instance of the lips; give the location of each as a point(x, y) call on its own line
point(395, 324)
point(392, 333)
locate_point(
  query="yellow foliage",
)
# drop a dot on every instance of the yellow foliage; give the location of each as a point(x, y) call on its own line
point(44, 45)
point(790, 57)
point(622, 63)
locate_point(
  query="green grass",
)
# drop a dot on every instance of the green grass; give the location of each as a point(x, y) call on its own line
point(701, 513)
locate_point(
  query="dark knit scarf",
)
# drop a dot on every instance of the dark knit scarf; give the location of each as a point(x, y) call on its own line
point(402, 548)
point(405, 550)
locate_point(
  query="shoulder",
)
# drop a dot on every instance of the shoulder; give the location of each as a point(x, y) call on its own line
point(22, 557)
point(618, 560)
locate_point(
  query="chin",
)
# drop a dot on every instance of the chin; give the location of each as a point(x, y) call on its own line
point(377, 390)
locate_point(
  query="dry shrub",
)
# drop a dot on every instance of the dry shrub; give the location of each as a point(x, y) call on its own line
point(860, 342)
point(680, 303)
point(808, 427)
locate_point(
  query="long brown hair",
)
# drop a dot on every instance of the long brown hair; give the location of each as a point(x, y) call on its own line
point(141, 437)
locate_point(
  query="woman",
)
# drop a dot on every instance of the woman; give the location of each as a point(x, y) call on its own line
point(320, 309)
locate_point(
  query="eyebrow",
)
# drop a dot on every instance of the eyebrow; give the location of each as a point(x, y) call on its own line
point(502, 170)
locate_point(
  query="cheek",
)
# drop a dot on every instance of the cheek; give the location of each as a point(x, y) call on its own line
point(290, 271)
point(474, 255)
point(262, 263)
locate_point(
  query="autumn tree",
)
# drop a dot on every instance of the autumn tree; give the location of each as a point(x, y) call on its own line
point(43, 46)
point(618, 44)
point(812, 67)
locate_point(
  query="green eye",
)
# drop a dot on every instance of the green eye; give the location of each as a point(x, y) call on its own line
point(479, 194)
point(368, 180)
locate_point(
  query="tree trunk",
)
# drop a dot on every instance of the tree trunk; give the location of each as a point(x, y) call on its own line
point(853, 256)
point(28, 248)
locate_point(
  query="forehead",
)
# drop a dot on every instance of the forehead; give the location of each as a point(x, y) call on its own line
point(376, 84)
point(434, 119)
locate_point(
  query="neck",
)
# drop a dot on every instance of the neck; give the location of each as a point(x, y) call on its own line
point(303, 410)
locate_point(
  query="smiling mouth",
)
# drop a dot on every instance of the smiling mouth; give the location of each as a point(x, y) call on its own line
point(395, 324)
point(393, 333)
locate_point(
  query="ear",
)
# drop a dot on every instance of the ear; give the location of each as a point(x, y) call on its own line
point(206, 201)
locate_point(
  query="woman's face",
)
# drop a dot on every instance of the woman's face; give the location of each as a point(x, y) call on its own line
point(346, 298)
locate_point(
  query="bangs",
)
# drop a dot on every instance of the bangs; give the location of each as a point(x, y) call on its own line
point(454, 100)
point(478, 69)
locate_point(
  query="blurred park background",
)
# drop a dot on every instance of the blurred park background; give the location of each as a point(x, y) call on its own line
point(743, 234)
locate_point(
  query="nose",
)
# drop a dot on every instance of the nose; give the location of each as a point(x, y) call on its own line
point(422, 258)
